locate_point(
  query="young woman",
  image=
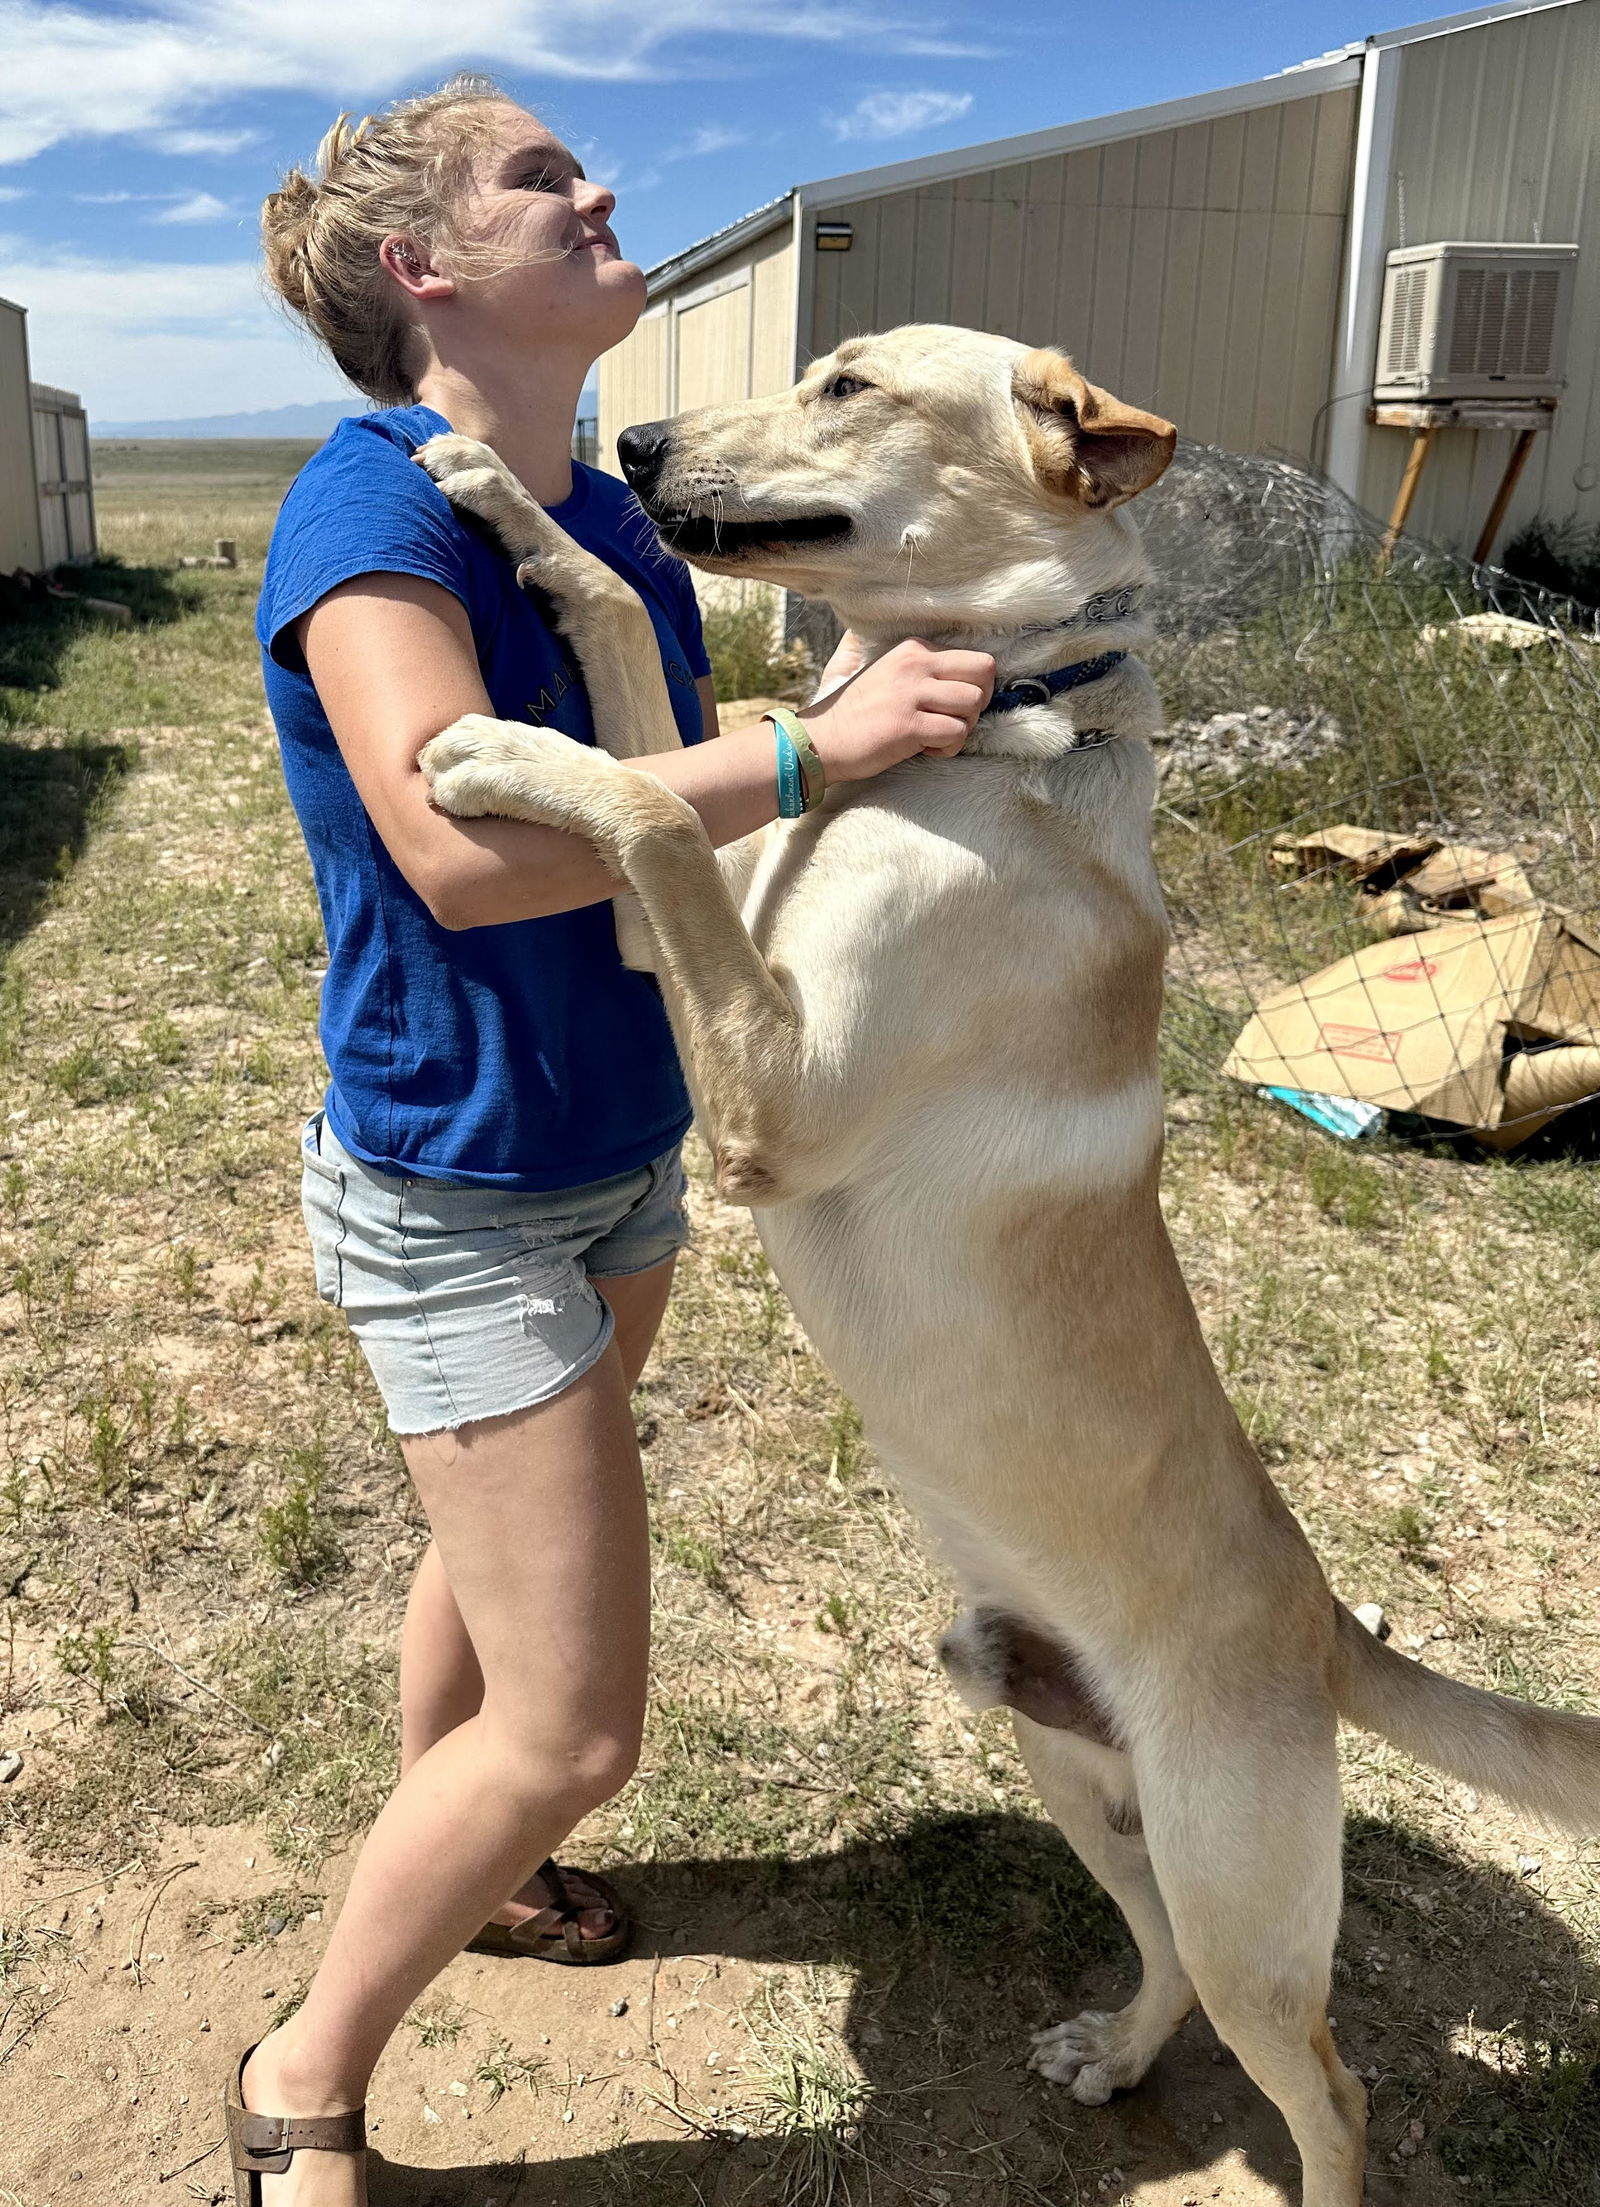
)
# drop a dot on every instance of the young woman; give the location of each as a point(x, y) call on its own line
point(492, 1189)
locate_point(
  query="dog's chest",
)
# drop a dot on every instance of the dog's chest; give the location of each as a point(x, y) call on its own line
point(935, 863)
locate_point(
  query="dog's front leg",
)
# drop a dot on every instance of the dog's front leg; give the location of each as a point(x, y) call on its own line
point(762, 1109)
point(600, 615)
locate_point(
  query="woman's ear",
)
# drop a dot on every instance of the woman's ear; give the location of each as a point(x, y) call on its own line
point(1083, 443)
point(412, 269)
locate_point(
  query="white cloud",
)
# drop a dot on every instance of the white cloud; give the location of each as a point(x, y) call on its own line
point(709, 138)
point(202, 142)
point(900, 114)
point(196, 207)
point(155, 340)
point(12, 191)
point(74, 72)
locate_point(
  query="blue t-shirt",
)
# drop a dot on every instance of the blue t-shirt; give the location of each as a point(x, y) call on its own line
point(521, 1056)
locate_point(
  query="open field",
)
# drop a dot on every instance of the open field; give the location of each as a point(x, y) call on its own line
point(851, 1912)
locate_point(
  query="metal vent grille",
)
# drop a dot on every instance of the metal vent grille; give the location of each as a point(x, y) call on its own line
point(1504, 323)
point(1408, 301)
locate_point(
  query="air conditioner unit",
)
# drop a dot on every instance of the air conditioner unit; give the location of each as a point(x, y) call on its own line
point(1475, 322)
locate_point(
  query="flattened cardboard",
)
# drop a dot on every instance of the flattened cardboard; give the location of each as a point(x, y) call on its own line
point(1358, 852)
point(1425, 1026)
point(1407, 882)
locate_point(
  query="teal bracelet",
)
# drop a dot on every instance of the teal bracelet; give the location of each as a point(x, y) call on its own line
point(800, 772)
point(791, 782)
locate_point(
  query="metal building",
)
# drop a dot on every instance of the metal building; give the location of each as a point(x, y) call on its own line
point(46, 494)
point(1220, 259)
point(21, 544)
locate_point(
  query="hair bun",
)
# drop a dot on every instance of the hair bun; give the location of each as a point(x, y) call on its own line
point(285, 224)
point(340, 142)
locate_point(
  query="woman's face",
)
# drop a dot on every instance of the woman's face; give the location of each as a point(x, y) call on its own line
point(565, 283)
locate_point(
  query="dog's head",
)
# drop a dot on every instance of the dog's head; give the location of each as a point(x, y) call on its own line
point(928, 468)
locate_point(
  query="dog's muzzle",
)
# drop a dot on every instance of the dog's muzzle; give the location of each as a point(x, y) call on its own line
point(642, 451)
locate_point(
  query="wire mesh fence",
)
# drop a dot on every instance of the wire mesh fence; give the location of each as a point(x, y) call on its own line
point(1379, 818)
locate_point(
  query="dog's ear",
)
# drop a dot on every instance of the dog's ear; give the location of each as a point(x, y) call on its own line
point(1084, 443)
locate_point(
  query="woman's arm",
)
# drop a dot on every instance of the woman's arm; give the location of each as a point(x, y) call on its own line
point(393, 662)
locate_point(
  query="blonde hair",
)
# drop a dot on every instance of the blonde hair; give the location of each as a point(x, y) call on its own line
point(406, 172)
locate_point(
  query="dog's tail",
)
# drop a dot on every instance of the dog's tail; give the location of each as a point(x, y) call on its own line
point(1546, 1760)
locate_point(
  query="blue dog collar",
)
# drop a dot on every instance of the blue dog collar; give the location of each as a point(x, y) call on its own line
point(1039, 689)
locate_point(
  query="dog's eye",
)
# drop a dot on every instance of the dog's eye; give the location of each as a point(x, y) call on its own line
point(844, 386)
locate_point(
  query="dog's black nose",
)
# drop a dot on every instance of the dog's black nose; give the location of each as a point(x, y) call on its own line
point(643, 452)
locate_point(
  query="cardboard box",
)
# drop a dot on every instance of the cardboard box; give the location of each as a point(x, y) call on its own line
point(1357, 852)
point(1435, 1026)
point(1407, 883)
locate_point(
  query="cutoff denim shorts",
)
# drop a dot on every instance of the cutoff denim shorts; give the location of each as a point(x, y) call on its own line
point(470, 1302)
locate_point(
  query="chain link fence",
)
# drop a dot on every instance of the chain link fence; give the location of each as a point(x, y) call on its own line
point(1366, 749)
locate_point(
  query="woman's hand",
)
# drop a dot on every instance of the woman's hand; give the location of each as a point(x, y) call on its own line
point(914, 700)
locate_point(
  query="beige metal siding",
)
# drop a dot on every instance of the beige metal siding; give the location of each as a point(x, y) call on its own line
point(714, 351)
point(633, 383)
point(1193, 270)
point(20, 544)
point(733, 340)
point(772, 314)
point(1495, 140)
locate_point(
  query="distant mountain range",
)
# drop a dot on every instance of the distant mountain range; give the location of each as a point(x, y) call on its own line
point(317, 420)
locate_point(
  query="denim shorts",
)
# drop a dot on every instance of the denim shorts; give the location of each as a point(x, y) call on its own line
point(470, 1302)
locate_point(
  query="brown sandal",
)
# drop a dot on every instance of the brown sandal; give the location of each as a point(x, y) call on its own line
point(264, 2145)
point(539, 1939)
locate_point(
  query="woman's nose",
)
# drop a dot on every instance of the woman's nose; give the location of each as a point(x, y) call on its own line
point(595, 200)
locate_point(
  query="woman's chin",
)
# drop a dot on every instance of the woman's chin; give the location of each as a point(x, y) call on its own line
point(627, 275)
point(621, 285)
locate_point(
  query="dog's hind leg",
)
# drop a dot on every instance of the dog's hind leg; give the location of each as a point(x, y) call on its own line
point(1244, 1823)
point(1088, 1791)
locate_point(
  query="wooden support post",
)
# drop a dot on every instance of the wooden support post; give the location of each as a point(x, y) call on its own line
point(1502, 497)
point(1421, 443)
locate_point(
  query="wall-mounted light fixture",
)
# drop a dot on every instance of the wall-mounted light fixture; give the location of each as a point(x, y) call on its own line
point(835, 237)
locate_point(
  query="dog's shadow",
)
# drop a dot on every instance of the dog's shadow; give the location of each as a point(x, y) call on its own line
point(1460, 1997)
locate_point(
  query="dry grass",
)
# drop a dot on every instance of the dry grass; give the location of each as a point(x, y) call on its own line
point(205, 1539)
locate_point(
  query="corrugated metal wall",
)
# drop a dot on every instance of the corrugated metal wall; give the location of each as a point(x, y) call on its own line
point(20, 544)
point(1195, 270)
point(714, 350)
point(1495, 141)
point(772, 362)
point(726, 333)
point(633, 383)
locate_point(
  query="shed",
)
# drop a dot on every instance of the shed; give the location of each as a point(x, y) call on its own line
point(20, 542)
point(46, 491)
point(1219, 259)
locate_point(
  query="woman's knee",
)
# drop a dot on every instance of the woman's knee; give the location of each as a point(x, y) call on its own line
point(577, 1770)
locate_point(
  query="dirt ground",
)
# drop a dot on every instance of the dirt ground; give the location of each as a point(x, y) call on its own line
point(851, 1913)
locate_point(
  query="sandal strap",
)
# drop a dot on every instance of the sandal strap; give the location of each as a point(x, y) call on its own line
point(266, 2144)
point(555, 1884)
point(564, 1906)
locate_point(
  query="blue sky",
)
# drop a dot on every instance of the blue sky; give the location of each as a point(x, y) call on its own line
point(136, 141)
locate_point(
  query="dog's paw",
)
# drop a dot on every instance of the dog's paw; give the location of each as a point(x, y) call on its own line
point(466, 470)
point(477, 481)
point(479, 765)
point(1093, 2055)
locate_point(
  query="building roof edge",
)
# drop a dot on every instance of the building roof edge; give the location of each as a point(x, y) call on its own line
point(693, 258)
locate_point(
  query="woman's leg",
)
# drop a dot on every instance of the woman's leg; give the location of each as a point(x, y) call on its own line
point(440, 1682)
point(540, 1523)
